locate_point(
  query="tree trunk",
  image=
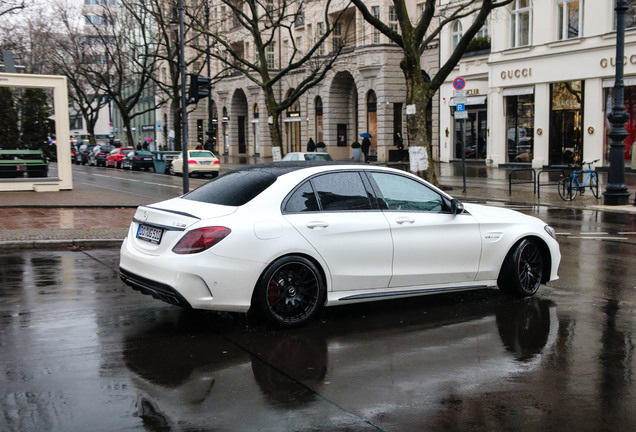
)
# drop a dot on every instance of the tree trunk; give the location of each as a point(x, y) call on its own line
point(418, 95)
point(274, 126)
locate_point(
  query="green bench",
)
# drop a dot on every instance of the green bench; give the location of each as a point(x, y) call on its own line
point(23, 163)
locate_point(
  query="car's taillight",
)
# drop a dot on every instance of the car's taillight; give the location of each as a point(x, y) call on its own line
point(200, 239)
point(192, 161)
point(216, 162)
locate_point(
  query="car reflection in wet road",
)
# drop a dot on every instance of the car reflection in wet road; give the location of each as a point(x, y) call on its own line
point(80, 351)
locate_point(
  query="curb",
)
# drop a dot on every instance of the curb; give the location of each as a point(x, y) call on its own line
point(61, 244)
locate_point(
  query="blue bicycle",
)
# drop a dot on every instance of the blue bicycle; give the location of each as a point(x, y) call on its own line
point(570, 186)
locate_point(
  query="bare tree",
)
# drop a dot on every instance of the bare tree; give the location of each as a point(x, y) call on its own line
point(413, 36)
point(11, 6)
point(167, 54)
point(119, 59)
point(263, 23)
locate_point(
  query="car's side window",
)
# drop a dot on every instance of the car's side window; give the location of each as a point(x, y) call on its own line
point(404, 194)
point(302, 200)
point(341, 191)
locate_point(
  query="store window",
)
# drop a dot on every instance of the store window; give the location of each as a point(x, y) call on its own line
point(520, 127)
point(630, 125)
point(521, 23)
point(566, 121)
point(569, 19)
point(630, 14)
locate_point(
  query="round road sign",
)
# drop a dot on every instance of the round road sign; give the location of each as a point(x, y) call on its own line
point(459, 83)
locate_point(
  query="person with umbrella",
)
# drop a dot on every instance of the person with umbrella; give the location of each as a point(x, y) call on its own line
point(365, 145)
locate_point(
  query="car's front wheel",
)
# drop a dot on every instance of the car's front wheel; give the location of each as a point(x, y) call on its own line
point(172, 171)
point(290, 292)
point(522, 270)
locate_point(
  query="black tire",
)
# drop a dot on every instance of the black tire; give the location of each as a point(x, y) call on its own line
point(215, 174)
point(290, 292)
point(172, 171)
point(594, 184)
point(566, 191)
point(522, 270)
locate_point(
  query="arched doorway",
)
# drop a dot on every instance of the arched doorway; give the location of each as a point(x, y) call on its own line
point(343, 110)
point(318, 120)
point(292, 122)
point(255, 125)
point(372, 122)
point(239, 114)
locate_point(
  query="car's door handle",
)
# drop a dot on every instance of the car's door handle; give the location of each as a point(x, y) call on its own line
point(405, 220)
point(317, 225)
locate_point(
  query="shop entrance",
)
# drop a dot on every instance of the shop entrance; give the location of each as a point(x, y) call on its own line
point(473, 131)
point(566, 121)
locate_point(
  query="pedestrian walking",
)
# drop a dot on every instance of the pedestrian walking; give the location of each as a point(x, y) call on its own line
point(366, 144)
point(311, 145)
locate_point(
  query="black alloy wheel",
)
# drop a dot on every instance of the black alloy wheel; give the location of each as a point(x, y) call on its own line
point(290, 292)
point(522, 270)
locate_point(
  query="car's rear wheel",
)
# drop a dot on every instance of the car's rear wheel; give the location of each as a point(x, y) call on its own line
point(290, 292)
point(522, 271)
point(172, 171)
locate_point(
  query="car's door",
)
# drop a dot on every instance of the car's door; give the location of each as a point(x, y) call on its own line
point(431, 245)
point(339, 217)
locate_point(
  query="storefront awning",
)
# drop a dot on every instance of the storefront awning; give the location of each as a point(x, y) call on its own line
point(518, 91)
point(470, 100)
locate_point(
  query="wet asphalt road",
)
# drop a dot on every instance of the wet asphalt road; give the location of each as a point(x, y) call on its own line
point(80, 351)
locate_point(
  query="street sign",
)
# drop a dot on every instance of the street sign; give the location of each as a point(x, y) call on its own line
point(459, 97)
point(460, 111)
point(459, 83)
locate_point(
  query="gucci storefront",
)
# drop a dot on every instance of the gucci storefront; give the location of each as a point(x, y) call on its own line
point(538, 106)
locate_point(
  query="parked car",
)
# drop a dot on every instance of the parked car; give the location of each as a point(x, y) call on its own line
point(288, 238)
point(137, 159)
point(116, 155)
point(73, 153)
point(199, 162)
point(99, 153)
point(81, 158)
point(307, 156)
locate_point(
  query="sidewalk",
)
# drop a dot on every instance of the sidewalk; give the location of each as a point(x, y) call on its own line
point(80, 218)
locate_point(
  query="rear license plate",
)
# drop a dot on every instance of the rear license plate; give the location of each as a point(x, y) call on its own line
point(205, 162)
point(148, 233)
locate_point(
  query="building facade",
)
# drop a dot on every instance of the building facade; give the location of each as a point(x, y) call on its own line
point(541, 94)
point(363, 92)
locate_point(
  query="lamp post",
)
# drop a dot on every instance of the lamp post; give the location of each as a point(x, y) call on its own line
point(184, 108)
point(616, 192)
point(210, 133)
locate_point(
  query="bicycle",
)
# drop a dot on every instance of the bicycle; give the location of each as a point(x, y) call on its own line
point(570, 186)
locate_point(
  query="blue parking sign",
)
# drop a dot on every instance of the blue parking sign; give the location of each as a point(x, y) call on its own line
point(460, 107)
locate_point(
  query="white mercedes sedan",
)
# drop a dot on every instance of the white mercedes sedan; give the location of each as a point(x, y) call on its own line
point(287, 238)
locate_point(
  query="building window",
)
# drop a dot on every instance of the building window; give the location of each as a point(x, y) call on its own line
point(420, 10)
point(458, 32)
point(269, 56)
point(320, 31)
point(521, 23)
point(318, 124)
point(569, 18)
point(393, 20)
point(337, 40)
point(630, 14)
point(375, 10)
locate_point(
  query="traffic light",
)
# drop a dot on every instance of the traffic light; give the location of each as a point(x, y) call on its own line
point(198, 88)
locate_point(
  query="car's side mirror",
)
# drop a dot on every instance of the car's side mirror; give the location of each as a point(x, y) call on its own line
point(456, 207)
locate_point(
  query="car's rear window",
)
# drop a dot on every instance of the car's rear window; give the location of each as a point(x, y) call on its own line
point(234, 188)
point(201, 154)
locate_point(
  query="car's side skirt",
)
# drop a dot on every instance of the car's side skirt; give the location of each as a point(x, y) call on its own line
point(341, 297)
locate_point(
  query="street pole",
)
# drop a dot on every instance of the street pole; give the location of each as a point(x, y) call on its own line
point(210, 142)
point(616, 192)
point(184, 107)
